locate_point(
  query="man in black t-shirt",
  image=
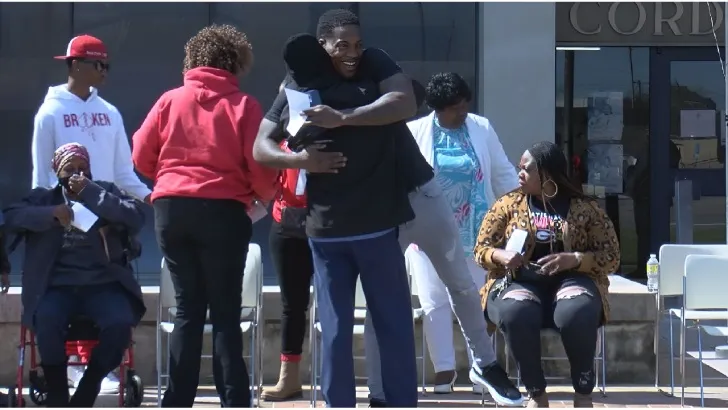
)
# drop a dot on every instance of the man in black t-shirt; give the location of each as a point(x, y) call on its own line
point(338, 32)
point(355, 206)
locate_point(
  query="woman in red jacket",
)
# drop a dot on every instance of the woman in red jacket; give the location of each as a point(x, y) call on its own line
point(196, 145)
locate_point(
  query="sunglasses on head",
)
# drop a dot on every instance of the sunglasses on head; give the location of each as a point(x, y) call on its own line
point(98, 65)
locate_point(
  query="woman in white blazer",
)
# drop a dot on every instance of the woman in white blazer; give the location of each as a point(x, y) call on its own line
point(473, 171)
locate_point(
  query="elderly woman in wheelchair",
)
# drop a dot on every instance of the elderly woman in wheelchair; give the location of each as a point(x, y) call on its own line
point(76, 264)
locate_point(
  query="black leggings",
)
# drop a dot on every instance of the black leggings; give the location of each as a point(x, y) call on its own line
point(576, 317)
point(294, 267)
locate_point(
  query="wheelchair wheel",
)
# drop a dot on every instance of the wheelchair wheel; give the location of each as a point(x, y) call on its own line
point(37, 395)
point(133, 390)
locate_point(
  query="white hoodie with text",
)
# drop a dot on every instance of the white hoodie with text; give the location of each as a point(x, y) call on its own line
point(64, 117)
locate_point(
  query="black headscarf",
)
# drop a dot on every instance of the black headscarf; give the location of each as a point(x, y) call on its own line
point(309, 65)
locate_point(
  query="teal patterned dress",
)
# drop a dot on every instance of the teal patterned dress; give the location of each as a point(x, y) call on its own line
point(459, 174)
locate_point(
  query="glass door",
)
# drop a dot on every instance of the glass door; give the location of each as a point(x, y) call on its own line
point(687, 141)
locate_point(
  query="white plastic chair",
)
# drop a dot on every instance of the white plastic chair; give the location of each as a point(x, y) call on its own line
point(672, 270)
point(250, 320)
point(704, 299)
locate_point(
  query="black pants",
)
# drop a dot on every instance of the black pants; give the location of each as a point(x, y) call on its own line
point(294, 266)
point(577, 318)
point(205, 243)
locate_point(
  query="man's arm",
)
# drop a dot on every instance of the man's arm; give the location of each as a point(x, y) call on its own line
point(124, 174)
point(397, 103)
point(42, 150)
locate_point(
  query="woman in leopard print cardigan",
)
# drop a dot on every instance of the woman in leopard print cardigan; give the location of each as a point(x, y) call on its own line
point(557, 278)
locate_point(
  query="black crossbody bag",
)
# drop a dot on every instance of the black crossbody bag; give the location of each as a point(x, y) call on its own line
point(293, 222)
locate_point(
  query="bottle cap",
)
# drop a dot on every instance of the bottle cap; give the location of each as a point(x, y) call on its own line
point(652, 255)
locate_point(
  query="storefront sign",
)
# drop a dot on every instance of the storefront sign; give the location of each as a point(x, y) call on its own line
point(663, 23)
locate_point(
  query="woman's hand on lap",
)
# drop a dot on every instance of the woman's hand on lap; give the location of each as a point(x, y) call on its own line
point(559, 262)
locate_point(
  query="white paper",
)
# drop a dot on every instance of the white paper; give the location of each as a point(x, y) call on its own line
point(297, 103)
point(605, 116)
point(257, 211)
point(301, 183)
point(517, 240)
point(697, 123)
point(83, 218)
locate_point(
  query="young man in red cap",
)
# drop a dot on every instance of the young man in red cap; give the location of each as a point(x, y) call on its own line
point(74, 112)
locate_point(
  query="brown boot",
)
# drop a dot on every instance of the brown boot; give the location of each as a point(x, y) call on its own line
point(583, 400)
point(542, 400)
point(288, 386)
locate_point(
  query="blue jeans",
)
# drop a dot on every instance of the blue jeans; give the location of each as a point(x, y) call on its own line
point(384, 281)
point(108, 306)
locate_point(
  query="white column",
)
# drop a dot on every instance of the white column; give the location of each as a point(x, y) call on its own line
point(517, 88)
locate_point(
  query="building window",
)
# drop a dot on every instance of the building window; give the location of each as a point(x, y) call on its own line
point(610, 120)
point(425, 38)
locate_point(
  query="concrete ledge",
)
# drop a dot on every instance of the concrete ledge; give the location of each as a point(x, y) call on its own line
point(630, 338)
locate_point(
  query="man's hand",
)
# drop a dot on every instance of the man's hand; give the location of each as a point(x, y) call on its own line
point(77, 183)
point(313, 160)
point(559, 262)
point(324, 116)
point(64, 214)
point(4, 283)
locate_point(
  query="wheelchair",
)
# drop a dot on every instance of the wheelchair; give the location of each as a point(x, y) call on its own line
point(81, 332)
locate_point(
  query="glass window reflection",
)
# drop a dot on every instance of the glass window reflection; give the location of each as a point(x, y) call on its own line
point(610, 77)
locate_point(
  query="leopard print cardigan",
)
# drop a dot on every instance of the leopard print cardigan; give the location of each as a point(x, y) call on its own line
point(587, 230)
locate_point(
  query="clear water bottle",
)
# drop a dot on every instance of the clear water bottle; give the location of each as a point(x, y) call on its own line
point(653, 273)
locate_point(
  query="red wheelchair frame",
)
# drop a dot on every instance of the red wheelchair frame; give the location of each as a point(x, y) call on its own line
point(131, 391)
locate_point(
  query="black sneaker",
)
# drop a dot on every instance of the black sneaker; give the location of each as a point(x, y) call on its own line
point(377, 403)
point(500, 387)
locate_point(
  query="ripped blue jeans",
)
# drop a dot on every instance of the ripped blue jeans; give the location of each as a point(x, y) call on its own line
point(568, 303)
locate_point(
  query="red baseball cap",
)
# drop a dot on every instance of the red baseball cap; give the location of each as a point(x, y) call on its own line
point(85, 46)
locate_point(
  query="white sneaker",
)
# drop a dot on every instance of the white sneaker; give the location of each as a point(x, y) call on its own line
point(110, 384)
point(74, 373)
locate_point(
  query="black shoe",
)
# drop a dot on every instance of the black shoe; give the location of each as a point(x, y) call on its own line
point(89, 386)
point(377, 403)
point(56, 381)
point(500, 387)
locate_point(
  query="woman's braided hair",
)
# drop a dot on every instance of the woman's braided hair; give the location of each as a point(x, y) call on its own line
point(219, 46)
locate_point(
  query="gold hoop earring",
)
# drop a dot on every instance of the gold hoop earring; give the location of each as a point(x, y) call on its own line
point(543, 189)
